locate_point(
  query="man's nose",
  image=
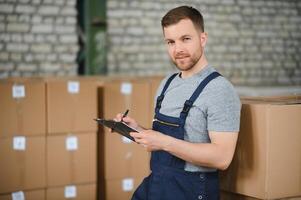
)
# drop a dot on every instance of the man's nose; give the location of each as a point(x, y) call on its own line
point(178, 47)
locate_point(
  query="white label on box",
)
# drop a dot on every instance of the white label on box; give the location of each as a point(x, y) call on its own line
point(19, 143)
point(18, 91)
point(70, 191)
point(126, 140)
point(71, 143)
point(73, 87)
point(127, 184)
point(18, 195)
point(126, 88)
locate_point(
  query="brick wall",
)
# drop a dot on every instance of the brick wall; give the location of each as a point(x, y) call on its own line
point(37, 37)
point(252, 42)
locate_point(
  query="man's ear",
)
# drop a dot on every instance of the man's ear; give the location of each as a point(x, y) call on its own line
point(203, 38)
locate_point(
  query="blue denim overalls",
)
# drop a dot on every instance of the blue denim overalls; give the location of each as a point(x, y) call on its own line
point(169, 180)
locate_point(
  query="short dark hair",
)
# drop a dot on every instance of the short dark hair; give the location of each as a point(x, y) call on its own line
point(183, 12)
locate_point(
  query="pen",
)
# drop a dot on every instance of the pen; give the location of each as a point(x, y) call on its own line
point(125, 114)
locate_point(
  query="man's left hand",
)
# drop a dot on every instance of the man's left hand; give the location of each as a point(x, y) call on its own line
point(151, 140)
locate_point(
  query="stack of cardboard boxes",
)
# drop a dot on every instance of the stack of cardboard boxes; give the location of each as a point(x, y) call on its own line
point(122, 163)
point(49, 144)
point(22, 138)
point(47, 139)
point(51, 148)
point(267, 161)
point(71, 139)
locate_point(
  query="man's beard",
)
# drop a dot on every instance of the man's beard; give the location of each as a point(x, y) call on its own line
point(188, 63)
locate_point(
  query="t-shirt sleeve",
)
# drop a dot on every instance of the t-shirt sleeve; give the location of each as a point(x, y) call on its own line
point(223, 111)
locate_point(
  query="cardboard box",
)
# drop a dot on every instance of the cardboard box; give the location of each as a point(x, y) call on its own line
point(78, 192)
point(233, 196)
point(22, 163)
point(71, 159)
point(71, 105)
point(26, 195)
point(119, 95)
point(267, 160)
point(118, 188)
point(118, 157)
point(23, 107)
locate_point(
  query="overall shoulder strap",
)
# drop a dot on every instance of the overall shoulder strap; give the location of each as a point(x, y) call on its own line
point(188, 103)
point(161, 96)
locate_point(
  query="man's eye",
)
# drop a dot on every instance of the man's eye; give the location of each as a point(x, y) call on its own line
point(186, 39)
point(170, 42)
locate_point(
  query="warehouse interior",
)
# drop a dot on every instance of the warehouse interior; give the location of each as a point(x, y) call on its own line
point(64, 63)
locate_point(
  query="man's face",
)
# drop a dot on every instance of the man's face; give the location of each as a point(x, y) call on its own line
point(185, 44)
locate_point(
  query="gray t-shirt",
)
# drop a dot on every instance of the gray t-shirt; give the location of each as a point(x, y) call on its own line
point(216, 109)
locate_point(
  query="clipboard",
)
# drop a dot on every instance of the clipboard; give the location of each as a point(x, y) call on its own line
point(119, 127)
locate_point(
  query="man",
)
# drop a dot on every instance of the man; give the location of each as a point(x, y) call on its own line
point(196, 121)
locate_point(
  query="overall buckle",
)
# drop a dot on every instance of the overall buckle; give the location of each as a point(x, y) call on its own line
point(187, 106)
point(159, 101)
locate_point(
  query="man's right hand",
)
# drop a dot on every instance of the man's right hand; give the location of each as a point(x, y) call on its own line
point(129, 121)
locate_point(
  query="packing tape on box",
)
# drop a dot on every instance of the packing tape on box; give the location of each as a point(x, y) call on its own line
point(127, 184)
point(18, 195)
point(70, 192)
point(72, 145)
point(19, 145)
point(18, 93)
point(19, 116)
point(73, 87)
point(126, 88)
point(128, 102)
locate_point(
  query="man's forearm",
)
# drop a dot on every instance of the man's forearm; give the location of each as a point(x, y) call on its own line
point(201, 154)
